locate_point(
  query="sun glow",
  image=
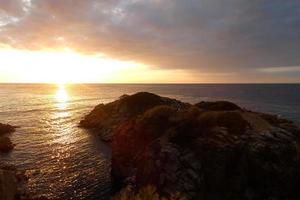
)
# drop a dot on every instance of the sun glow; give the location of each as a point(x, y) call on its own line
point(60, 66)
point(68, 66)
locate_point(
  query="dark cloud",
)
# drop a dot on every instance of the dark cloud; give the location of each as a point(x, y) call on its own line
point(204, 35)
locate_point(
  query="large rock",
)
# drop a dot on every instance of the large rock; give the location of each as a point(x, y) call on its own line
point(106, 117)
point(206, 151)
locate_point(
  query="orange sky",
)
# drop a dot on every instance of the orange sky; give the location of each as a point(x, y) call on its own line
point(145, 41)
point(68, 66)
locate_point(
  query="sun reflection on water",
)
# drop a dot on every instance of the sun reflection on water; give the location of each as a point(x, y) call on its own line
point(62, 97)
point(61, 94)
point(60, 118)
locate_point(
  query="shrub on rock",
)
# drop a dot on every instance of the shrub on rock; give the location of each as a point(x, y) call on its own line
point(217, 106)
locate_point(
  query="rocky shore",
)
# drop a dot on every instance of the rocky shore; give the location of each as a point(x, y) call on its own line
point(210, 150)
point(13, 182)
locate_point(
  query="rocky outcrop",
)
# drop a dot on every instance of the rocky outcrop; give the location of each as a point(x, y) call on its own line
point(106, 117)
point(5, 143)
point(204, 151)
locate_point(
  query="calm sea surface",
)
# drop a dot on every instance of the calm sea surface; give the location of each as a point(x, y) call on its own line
point(66, 162)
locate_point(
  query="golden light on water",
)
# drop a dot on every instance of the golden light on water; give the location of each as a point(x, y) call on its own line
point(61, 130)
point(62, 97)
point(61, 94)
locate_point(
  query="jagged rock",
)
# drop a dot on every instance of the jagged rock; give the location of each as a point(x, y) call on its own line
point(208, 151)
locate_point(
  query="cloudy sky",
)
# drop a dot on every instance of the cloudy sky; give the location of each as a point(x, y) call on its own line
point(152, 40)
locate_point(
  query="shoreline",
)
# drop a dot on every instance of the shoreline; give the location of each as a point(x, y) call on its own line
point(161, 141)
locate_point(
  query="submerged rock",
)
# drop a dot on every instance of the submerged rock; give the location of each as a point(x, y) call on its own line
point(204, 151)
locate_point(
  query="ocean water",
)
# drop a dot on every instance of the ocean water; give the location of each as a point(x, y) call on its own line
point(67, 162)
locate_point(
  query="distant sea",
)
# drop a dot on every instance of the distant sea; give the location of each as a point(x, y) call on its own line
point(66, 162)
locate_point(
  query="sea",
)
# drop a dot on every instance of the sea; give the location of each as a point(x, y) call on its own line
point(64, 161)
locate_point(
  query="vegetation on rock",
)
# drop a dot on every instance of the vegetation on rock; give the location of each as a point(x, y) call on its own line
point(217, 106)
point(104, 118)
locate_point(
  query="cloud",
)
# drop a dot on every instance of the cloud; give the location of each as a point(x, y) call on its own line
point(281, 69)
point(211, 36)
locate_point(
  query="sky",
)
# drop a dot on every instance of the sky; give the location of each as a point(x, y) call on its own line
point(150, 41)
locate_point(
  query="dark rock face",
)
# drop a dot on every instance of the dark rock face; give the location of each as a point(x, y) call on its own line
point(205, 153)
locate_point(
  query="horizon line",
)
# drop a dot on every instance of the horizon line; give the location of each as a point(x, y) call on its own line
point(148, 83)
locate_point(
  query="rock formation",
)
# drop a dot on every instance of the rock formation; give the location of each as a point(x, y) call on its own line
point(209, 151)
point(106, 117)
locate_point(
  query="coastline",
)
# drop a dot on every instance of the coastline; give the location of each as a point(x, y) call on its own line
point(140, 122)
